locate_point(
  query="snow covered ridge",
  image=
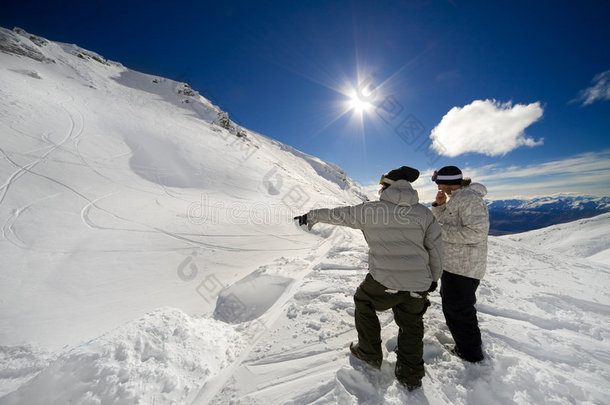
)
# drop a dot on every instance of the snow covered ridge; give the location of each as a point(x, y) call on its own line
point(23, 44)
point(19, 42)
point(558, 202)
point(514, 216)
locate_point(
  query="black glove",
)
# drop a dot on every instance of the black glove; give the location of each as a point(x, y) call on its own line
point(302, 219)
point(433, 286)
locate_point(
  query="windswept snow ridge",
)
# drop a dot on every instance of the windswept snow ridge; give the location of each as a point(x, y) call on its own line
point(150, 257)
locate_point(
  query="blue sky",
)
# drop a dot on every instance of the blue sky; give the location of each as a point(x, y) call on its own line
point(516, 93)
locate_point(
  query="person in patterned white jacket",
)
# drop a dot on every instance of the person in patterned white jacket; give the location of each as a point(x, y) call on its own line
point(464, 220)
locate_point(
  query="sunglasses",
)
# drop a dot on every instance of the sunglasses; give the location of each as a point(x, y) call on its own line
point(385, 180)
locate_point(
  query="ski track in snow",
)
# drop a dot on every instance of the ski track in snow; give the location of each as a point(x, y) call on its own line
point(75, 131)
point(87, 162)
point(8, 229)
point(147, 228)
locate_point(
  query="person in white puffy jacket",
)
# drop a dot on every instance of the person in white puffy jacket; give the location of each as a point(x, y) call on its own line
point(405, 263)
point(464, 220)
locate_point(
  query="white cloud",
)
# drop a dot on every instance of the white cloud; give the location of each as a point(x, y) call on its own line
point(485, 126)
point(600, 90)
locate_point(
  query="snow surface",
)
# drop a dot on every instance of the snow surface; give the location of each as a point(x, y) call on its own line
point(587, 238)
point(149, 257)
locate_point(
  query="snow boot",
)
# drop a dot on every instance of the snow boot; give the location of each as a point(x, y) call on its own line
point(471, 359)
point(353, 348)
point(408, 377)
point(410, 386)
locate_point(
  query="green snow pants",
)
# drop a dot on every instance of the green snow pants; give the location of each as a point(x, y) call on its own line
point(408, 308)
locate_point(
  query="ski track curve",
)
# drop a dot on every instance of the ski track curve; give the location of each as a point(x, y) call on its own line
point(76, 127)
point(8, 229)
point(147, 228)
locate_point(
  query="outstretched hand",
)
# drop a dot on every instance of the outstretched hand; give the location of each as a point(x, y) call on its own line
point(302, 219)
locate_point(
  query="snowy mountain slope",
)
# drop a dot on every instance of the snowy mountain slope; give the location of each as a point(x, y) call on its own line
point(149, 256)
point(119, 195)
point(587, 238)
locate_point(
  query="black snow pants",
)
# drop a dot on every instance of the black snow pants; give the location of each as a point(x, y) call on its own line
point(458, 298)
point(409, 309)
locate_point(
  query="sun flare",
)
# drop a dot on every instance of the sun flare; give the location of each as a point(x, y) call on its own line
point(357, 104)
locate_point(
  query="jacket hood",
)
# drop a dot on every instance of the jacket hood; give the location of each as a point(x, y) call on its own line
point(479, 189)
point(400, 193)
point(476, 188)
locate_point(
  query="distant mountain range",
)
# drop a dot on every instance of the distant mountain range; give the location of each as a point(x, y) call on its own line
point(514, 216)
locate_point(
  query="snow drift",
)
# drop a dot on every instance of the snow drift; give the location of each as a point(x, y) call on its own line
point(159, 357)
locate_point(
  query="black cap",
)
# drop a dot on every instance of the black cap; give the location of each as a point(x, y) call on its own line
point(450, 175)
point(403, 173)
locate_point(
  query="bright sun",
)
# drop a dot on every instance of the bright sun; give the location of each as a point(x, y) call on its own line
point(357, 104)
